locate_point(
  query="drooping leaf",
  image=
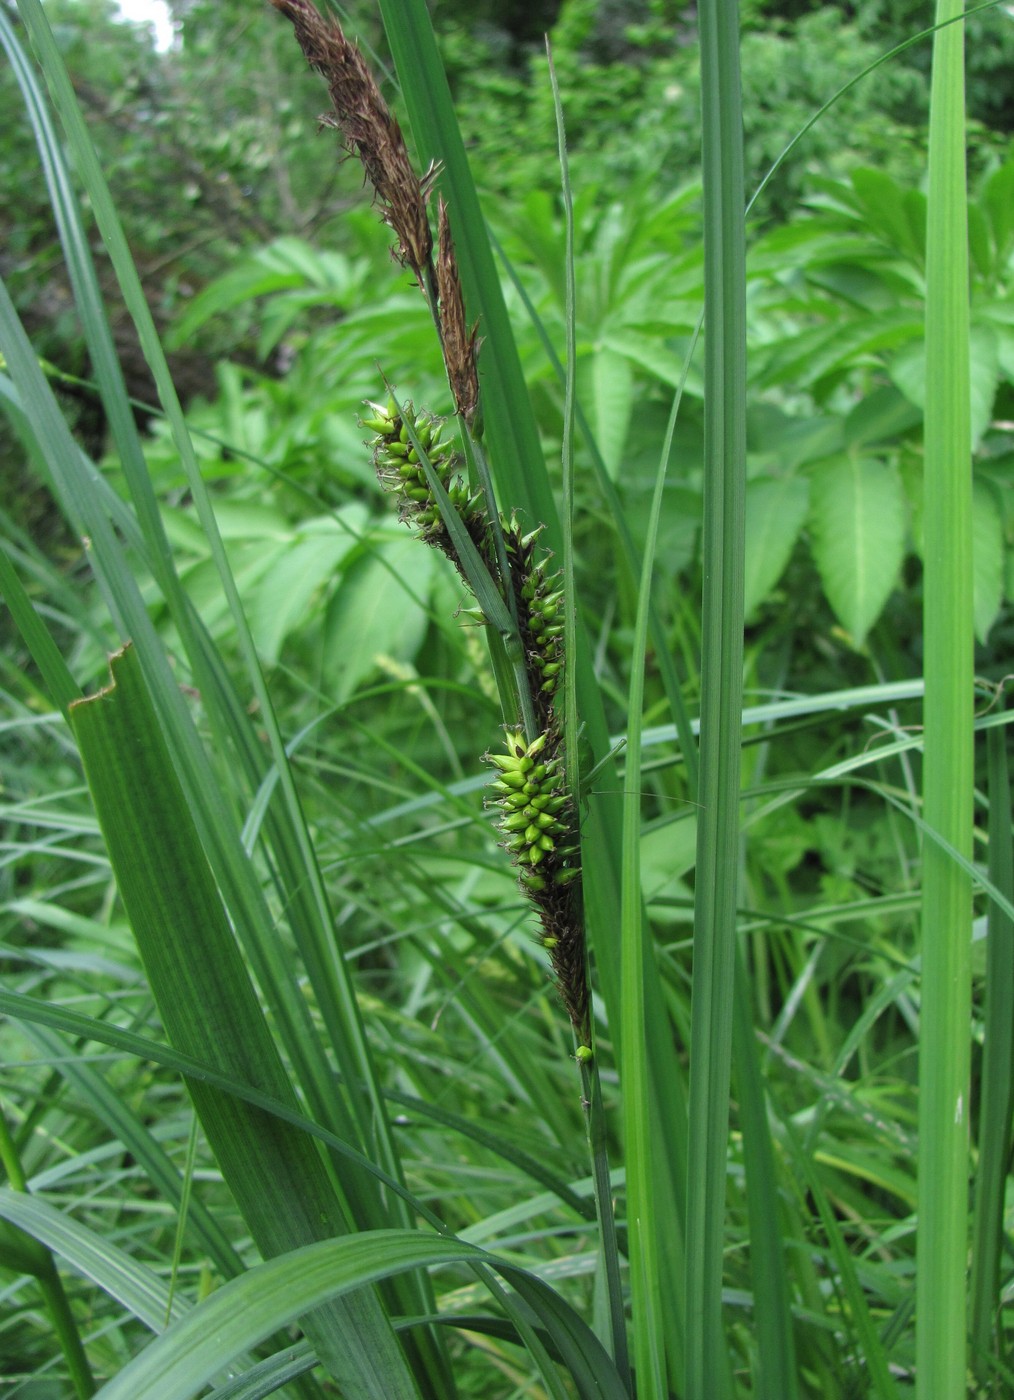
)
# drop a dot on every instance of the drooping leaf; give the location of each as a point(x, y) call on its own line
point(180, 1362)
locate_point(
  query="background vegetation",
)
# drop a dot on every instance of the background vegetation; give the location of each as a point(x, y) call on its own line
point(271, 281)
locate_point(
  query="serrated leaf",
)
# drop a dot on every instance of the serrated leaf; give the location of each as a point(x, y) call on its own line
point(612, 398)
point(287, 590)
point(775, 511)
point(987, 557)
point(857, 517)
point(379, 611)
point(880, 416)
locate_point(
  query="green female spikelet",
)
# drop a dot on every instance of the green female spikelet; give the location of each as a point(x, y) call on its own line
point(401, 472)
point(539, 828)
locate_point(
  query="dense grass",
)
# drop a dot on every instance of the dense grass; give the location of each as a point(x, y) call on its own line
point(283, 1047)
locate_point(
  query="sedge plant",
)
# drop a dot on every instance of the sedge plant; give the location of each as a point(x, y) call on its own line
point(739, 1160)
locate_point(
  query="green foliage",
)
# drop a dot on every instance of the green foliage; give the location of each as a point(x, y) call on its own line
point(637, 113)
point(832, 293)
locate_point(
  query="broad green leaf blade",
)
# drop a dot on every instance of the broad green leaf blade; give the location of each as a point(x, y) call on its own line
point(857, 515)
point(298, 575)
point(205, 997)
point(775, 511)
point(273, 1294)
point(879, 417)
point(267, 1377)
point(987, 557)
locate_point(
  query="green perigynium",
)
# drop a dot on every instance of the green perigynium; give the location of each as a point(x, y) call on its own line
point(535, 805)
point(539, 826)
point(401, 472)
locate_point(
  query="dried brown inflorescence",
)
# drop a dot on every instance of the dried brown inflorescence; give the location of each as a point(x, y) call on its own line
point(368, 130)
point(460, 345)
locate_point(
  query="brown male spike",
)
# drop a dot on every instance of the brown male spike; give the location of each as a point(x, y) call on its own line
point(369, 131)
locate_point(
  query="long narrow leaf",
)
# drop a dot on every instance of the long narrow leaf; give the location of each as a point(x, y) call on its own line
point(248, 1309)
point(997, 1068)
point(944, 1055)
point(721, 695)
point(275, 1174)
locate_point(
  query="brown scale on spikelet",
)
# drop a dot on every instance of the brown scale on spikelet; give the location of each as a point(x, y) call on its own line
point(460, 345)
point(538, 595)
